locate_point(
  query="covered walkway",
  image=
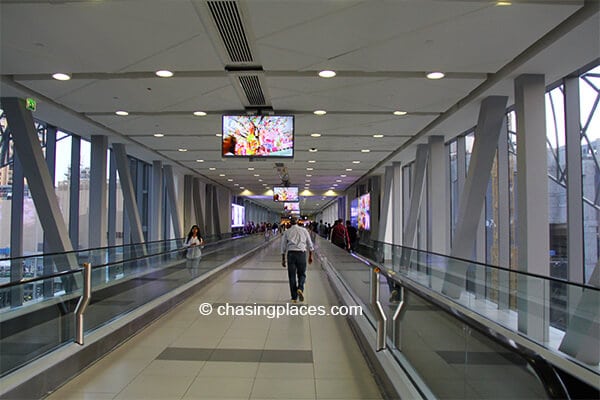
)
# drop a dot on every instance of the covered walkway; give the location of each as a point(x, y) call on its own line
point(185, 355)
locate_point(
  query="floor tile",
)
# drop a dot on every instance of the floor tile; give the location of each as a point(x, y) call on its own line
point(226, 369)
point(347, 389)
point(284, 388)
point(213, 387)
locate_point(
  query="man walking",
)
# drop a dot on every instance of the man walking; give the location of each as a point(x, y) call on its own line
point(295, 241)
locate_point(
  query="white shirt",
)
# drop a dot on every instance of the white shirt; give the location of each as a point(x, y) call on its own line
point(193, 251)
point(296, 239)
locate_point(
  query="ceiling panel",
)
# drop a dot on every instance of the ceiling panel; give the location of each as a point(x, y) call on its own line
point(287, 38)
point(94, 36)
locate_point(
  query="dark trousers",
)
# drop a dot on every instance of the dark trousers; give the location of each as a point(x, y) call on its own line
point(296, 265)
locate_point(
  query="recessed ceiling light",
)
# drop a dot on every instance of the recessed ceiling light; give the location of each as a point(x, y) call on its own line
point(212, 169)
point(260, 180)
point(348, 169)
point(241, 187)
point(313, 150)
point(229, 180)
point(319, 112)
point(355, 162)
point(199, 160)
point(163, 73)
point(309, 169)
point(122, 113)
point(250, 169)
point(365, 151)
point(218, 135)
point(326, 73)
point(199, 113)
point(399, 113)
point(378, 136)
point(335, 185)
point(182, 150)
point(315, 134)
point(60, 76)
point(504, 3)
point(256, 174)
point(342, 176)
point(338, 180)
point(311, 161)
point(307, 180)
point(236, 184)
point(159, 134)
point(435, 75)
point(221, 174)
point(264, 184)
point(308, 175)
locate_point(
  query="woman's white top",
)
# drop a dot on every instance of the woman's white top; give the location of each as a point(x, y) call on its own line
point(193, 252)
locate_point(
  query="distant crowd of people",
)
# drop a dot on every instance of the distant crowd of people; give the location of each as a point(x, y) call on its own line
point(344, 236)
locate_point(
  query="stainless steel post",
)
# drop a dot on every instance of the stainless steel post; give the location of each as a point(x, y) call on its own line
point(83, 302)
point(396, 320)
point(378, 310)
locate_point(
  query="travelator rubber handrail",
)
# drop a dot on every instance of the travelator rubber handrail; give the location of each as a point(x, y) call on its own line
point(76, 270)
point(87, 250)
point(109, 247)
point(496, 267)
point(543, 368)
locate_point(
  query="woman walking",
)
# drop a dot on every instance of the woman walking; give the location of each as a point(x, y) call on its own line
point(194, 251)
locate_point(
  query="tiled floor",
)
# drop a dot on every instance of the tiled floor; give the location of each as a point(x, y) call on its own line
point(185, 355)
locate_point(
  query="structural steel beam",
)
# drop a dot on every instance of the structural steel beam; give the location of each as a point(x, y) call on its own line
point(41, 186)
point(472, 199)
point(129, 197)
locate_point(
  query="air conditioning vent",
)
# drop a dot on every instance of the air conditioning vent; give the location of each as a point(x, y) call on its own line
point(252, 89)
point(227, 18)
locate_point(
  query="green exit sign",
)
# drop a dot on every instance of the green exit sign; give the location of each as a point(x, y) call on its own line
point(30, 104)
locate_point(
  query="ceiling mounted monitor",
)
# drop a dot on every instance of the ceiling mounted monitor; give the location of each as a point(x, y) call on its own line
point(285, 193)
point(257, 136)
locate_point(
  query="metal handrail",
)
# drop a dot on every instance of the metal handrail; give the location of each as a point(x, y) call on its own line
point(378, 310)
point(525, 273)
point(40, 278)
point(83, 302)
point(72, 271)
point(87, 250)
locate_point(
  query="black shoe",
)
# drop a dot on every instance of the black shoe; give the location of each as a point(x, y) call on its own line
point(300, 295)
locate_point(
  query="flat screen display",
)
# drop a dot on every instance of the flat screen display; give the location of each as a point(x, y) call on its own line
point(258, 136)
point(364, 212)
point(354, 213)
point(282, 193)
point(291, 207)
point(238, 216)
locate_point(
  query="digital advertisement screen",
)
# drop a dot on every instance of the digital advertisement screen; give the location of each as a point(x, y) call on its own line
point(364, 212)
point(258, 136)
point(238, 216)
point(281, 193)
point(290, 207)
point(354, 213)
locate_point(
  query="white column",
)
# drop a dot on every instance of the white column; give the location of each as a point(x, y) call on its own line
point(503, 219)
point(98, 223)
point(174, 205)
point(532, 205)
point(155, 221)
point(576, 263)
point(386, 207)
point(438, 201)
point(416, 197)
point(397, 204)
